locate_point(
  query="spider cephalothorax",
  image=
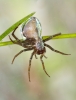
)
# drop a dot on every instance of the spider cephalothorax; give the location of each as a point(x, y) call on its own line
point(32, 31)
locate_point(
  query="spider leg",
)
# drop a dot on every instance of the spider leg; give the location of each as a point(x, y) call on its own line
point(30, 64)
point(16, 42)
point(12, 40)
point(51, 37)
point(55, 50)
point(14, 34)
point(36, 56)
point(20, 53)
point(19, 43)
point(43, 65)
point(44, 56)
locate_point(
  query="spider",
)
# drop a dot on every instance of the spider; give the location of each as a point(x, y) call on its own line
point(32, 31)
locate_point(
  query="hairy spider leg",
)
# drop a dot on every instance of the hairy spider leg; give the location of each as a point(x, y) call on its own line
point(30, 64)
point(43, 65)
point(55, 50)
point(20, 53)
point(51, 37)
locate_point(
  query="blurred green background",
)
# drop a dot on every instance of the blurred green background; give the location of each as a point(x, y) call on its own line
point(55, 16)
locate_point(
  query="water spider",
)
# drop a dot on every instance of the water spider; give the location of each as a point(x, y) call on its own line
point(32, 31)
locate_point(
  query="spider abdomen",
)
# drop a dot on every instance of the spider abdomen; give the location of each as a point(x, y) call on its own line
point(32, 29)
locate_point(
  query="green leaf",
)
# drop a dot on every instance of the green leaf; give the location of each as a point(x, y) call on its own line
point(62, 36)
point(6, 43)
point(15, 25)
